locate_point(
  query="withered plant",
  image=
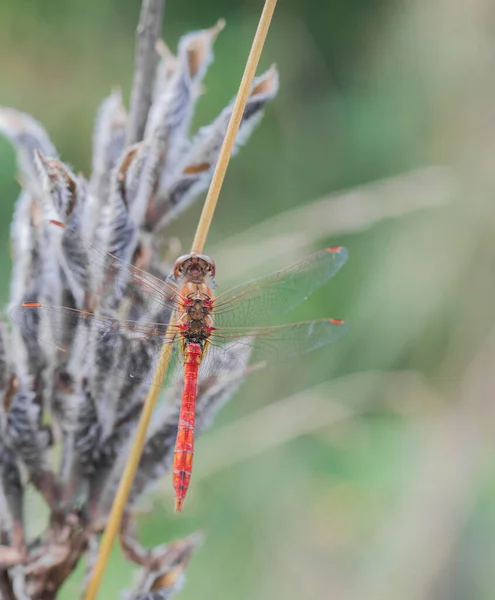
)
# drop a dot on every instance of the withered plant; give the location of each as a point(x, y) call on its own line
point(68, 407)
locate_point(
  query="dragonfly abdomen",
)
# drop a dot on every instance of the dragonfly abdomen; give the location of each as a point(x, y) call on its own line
point(184, 446)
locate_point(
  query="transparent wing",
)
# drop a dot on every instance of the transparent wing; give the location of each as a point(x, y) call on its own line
point(97, 343)
point(62, 318)
point(272, 345)
point(131, 350)
point(112, 275)
point(259, 301)
point(102, 347)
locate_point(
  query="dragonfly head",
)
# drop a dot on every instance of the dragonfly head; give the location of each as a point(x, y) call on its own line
point(194, 267)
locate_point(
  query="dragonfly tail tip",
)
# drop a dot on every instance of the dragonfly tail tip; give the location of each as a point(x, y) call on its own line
point(178, 504)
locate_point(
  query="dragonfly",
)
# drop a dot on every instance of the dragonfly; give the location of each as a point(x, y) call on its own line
point(200, 324)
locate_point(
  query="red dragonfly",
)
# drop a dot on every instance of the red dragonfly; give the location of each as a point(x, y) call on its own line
point(201, 325)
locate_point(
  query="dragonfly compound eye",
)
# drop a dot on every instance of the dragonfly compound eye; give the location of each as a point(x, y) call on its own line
point(209, 264)
point(179, 265)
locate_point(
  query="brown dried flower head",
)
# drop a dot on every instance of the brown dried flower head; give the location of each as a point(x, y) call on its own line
point(66, 417)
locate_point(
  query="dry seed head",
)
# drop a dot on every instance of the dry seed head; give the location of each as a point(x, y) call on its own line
point(68, 370)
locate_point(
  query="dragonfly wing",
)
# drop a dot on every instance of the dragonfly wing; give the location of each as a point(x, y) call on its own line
point(259, 301)
point(112, 277)
point(268, 345)
point(84, 340)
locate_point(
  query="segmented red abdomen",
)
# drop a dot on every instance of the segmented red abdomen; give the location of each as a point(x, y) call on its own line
point(184, 446)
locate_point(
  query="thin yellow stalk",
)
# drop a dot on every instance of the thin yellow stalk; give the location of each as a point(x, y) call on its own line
point(120, 500)
point(118, 506)
point(235, 120)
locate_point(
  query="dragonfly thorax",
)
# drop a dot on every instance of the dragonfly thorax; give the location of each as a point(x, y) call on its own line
point(195, 315)
point(196, 331)
point(198, 307)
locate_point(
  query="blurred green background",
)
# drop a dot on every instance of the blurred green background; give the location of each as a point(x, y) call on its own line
point(379, 482)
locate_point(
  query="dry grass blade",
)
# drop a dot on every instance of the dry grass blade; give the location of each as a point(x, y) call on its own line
point(127, 479)
point(289, 235)
point(301, 414)
point(233, 127)
point(429, 519)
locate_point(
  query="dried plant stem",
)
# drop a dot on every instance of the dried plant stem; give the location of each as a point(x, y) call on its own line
point(147, 34)
point(118, 506)
point(132, 463)
point(291, 234)
point(235, 120)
